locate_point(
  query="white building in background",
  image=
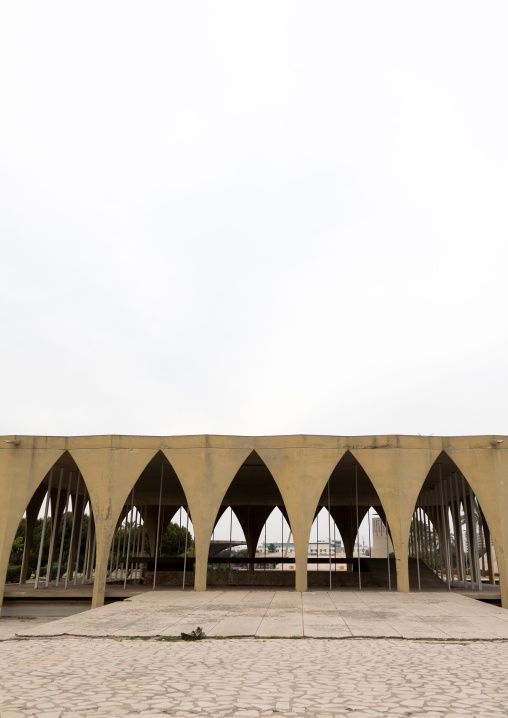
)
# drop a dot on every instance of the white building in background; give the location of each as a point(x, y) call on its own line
point(323, 548)
point(379, 538)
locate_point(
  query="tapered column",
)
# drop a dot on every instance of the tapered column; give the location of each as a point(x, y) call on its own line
point(345, 518)
point(301, 535)
point(202, 536)
point(103, 536)
point(252, 520)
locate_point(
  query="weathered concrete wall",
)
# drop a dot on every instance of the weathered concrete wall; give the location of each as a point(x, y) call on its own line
point(300, 465)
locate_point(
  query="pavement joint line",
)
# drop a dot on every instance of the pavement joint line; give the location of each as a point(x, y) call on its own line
point(254, 637)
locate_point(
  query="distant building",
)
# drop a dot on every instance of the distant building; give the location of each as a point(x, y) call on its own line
point(379, 538)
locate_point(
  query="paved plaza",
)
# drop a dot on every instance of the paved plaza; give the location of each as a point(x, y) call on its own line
point(322, 614)
point(114, 661)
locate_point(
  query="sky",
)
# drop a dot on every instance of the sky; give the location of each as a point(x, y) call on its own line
point(253, 218)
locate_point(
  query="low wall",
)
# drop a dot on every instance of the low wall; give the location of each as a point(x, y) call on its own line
point(282, 579)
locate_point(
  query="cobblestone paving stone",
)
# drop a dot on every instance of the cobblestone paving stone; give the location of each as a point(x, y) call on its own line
point(250, 678)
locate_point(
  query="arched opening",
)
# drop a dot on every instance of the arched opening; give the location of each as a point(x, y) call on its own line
point(252, 518)
point(55, 541)
point(228, 541)
point(449, 545)
point(343, 548)
point(153, 542)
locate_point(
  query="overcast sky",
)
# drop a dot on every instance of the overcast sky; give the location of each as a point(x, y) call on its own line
point(253, 218)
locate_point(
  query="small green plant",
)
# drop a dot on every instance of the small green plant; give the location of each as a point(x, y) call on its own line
point(196, 635)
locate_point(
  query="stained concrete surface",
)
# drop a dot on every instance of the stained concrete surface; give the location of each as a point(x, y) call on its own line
point(324, 614)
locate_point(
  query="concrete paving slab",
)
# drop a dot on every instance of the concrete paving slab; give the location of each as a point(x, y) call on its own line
point(284, 613)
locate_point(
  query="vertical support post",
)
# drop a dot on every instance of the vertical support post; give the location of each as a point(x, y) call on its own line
point(118, 538)
point(78, 547)
point(129, 541)
point(282, 541)
point(185, 557)
point(73, 530)
point(468, 530)
point(474, 522)
point(264, 566)
point(449, 567)
point(439, 529)
point(180, 525)
point(417, 537)
point(358, 529)
point(370, 540)
point(482, 546)
point(64, 527)
point(490, 559)
point(329, 536)
point(158, 527)
point(317, 539)
point(41, 545)
point(230, 539)
point(335, 546)
point(137, 530)
point(388, 555)
point(54, 529)
point(444, 531)
point(88, 547)
point(459, 539)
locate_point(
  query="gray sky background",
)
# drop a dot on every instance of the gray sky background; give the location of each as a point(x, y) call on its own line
point(253, 218)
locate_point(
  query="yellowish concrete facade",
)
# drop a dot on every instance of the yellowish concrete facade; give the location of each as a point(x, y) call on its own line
point(300, 465)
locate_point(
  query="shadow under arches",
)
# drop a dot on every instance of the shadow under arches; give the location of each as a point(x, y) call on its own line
point(450, 542)
point(151, 544)
point(55, 541)
point(349, 497)
point(253, 495)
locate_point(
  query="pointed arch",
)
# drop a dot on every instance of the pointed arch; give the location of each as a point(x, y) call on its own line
point(446, 503)
point(59, 500)
point(252, 495)
point(349, 481)
point(150, 503)
point(348, 493)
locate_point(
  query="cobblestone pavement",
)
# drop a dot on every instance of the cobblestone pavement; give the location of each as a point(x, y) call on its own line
point(74, 677)
point(322, 614)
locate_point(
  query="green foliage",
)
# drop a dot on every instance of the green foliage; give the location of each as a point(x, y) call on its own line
point(13, 574)
point(173, 541)
point(196, 635)
point(271, 548)
point(16, 556)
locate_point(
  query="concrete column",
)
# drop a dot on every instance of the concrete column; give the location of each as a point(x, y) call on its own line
point(252, 520)
point(345, 518)
point(104, 533)
point(301, 536)
point(202, 536)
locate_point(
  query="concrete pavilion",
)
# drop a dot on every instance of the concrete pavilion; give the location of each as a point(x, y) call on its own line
point(425, 489)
